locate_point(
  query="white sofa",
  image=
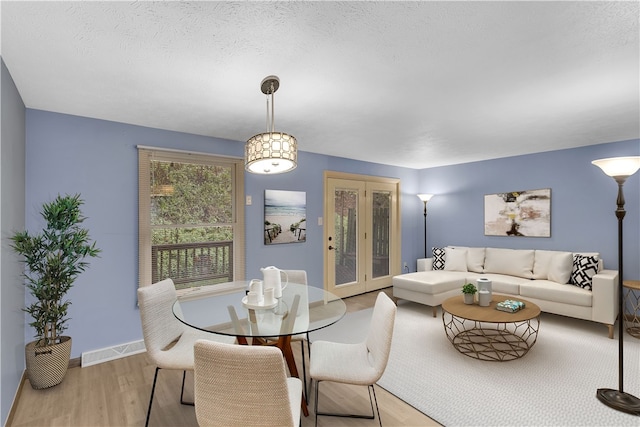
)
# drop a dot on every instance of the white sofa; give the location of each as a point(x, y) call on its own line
point(540, 276)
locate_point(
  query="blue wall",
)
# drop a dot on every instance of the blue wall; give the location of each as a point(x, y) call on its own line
point(308, 177)
point(12, 158)
point(98, 159)
point(583, 202)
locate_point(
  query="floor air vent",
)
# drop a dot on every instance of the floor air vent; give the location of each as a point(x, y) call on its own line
point(116, 352)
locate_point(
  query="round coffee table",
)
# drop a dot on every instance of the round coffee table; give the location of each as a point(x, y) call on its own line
point(486, 333)
point(632, 300)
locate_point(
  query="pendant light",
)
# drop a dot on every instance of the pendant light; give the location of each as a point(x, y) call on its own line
point(271, 152)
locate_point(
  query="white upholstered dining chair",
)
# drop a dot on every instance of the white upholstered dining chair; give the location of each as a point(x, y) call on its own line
point(168, 341)
point(361, 363)
point(240, 385)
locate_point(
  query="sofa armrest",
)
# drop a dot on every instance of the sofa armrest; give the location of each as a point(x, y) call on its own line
point(605, 296)
point(425, 264)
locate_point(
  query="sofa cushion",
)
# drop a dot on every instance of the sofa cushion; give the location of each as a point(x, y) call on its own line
point(552, 291)
point(425, 264)
point(455, 259)
point(430, 282)
point(475, 258)
point(584, 268)
point(552, 265)
point(541, 260)
point(438, 259)
point(502, 284)
point(560, 268)
point(512, 262)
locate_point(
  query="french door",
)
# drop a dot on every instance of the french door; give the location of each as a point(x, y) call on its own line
point(362, 233)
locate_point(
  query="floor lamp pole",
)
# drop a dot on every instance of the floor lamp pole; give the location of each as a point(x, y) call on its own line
point(618, 399)
point(425, 228)
point(425, 198)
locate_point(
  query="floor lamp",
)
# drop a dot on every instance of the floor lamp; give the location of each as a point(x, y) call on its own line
point(425, 198)
point(619, 168)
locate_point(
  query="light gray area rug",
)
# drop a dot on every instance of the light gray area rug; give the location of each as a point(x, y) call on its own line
point(553, 385)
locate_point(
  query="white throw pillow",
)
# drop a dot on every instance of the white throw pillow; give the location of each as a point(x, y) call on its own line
point(541, 261)
point(455, 259)
point(514, 262)
point(544, 260)
point(475, 258)
point(560, 267)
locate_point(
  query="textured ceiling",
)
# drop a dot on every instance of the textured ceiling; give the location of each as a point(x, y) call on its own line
point(415, 84)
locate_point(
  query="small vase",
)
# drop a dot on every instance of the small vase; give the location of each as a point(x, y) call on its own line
point(484, 298)
point(468, 298)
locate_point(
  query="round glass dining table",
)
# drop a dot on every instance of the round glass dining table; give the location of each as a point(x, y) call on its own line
point(300, 310)
point(227, 314)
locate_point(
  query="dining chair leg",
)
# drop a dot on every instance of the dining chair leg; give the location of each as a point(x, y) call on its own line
point(315, 401)
point(309, 353)
point(153, 389)
point(370, 389)
point(304, 373)
point(184, 374)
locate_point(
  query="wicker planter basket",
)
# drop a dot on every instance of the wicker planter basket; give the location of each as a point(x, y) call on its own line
point(47, 366)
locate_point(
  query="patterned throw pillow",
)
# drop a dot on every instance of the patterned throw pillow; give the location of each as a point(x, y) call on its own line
point(438, 258)
point(584, 268)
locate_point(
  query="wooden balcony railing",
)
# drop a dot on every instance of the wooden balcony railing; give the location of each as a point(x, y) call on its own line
point(188, 263)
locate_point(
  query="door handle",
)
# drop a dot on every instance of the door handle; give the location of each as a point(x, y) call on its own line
point(331, 247)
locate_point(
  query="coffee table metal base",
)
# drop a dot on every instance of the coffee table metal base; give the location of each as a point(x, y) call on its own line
point(491, 341)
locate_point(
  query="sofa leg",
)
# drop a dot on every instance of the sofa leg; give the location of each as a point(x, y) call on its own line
point(610, 331)
point(435, 311)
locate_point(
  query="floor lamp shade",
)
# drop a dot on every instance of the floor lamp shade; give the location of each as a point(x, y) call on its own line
point(619, 168)
point(425, 198)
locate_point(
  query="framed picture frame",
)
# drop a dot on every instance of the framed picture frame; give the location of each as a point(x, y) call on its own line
point(518, 213)
point(285, 216)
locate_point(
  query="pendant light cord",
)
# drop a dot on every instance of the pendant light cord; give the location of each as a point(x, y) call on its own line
point(271, 125)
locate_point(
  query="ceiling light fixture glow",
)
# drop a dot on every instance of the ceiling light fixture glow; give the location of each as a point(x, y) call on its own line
point(271, 152)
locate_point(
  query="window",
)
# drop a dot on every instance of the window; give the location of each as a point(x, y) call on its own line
point(191, 218)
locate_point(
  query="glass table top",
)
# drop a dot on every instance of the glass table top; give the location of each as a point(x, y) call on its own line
point(301, 309)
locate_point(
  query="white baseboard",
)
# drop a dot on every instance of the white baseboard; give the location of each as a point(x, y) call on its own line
point(110, 353)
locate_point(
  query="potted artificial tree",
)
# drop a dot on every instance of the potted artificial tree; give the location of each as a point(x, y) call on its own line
point(469, 290)
point(53, 260)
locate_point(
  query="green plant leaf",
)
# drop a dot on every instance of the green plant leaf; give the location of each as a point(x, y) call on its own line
point(53, 260)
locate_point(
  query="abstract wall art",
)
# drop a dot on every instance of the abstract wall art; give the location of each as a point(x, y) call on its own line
point(518, 213)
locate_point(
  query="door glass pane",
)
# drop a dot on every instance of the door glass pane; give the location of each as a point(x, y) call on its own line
point(380, 233)
point(346, 236)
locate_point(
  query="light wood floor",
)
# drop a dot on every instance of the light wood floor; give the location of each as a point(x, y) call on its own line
point(116, 393)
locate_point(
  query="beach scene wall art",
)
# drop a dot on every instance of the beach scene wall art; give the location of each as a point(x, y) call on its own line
point(285, 217)
point(518, 213)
